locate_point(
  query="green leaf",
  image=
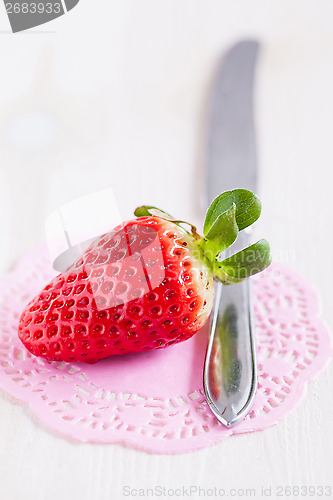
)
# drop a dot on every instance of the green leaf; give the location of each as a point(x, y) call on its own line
point(224, 225)
point(221, 234)
point(247, 262)
point(147, 210)
point(248, 208)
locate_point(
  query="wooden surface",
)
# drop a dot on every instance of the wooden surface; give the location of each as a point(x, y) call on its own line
point(115, 94)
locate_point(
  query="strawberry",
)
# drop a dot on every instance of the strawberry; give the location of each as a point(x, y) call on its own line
point(145, 285)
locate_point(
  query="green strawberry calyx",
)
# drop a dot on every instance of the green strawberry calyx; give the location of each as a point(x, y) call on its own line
point(228, 214)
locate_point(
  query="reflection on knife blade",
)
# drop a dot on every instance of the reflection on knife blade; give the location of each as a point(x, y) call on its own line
point(225, 367)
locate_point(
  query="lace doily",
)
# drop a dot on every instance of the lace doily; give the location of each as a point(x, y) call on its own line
point(154, 401)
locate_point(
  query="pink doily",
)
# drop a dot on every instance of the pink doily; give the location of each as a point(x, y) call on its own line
point(154, 401)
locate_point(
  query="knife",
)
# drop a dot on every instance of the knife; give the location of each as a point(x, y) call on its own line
point(230, 371)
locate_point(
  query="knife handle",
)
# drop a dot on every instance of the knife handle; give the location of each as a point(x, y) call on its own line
point(230, 373)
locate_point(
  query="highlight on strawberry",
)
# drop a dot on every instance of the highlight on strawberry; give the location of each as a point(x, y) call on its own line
point(147, 284)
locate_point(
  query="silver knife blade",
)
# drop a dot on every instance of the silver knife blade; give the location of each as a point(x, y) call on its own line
point(232, 156)
point(230, 372)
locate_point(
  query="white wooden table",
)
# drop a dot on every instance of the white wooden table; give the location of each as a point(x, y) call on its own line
point(115, 94)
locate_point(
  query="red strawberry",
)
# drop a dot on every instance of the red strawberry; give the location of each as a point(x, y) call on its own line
point(147, 284)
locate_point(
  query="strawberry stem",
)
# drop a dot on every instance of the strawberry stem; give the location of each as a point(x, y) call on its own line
point(229, 213)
